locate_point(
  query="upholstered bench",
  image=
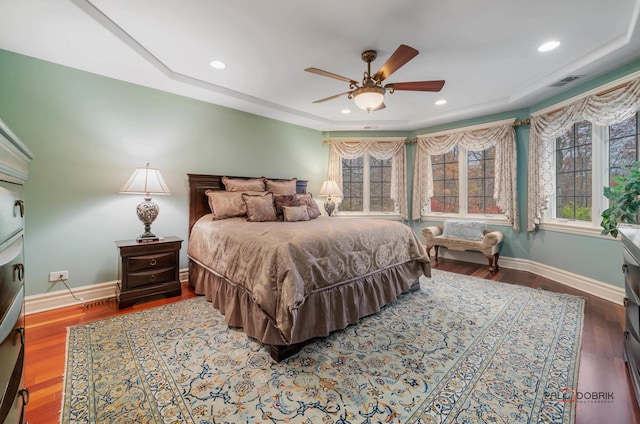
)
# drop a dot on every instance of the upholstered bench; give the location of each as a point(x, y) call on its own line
point(465, 235)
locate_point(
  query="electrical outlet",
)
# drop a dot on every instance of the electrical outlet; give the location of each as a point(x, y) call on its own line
point(58, 275)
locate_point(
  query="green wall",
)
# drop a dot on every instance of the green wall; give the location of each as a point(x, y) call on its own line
point(89, 132)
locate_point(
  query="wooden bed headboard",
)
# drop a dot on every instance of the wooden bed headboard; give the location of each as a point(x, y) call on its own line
point(199, 183)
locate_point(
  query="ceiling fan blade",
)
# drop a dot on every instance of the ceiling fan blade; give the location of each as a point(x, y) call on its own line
point(417, 85)
point(382, 106)
point(330, 75)
point(402, 55)
point(331, 97)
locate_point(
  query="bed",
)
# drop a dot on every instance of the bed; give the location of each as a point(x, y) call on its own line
point(286, 283)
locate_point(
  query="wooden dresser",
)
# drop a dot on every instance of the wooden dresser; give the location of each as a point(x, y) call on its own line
point(14, 160)
point(631, 270)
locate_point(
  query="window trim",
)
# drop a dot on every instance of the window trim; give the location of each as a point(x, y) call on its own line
point(366, 194)
point(463, 201)
point(600, 176)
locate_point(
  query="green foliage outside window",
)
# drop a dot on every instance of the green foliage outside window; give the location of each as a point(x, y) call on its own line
point(582, 213)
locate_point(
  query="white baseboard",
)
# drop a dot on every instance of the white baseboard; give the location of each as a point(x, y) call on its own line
point(94, 293)
point(588, 285)
point(106, 291)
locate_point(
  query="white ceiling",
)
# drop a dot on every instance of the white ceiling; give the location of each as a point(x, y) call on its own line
point(486, 50)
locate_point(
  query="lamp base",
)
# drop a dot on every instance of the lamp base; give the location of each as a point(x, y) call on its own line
point(147, 237)
point(147, 213)
point(329, 206)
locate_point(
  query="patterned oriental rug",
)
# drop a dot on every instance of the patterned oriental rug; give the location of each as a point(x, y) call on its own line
point(462, 349)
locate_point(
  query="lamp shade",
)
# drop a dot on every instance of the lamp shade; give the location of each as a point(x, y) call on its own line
point(146, 181)
point(330, 188)
point(369, 98)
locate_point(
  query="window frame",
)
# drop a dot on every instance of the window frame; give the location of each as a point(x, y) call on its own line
point(366, 194)
point(600, 178)
point(463, 199)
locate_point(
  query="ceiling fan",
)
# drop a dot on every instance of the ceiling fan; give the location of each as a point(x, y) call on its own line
point(369, 95)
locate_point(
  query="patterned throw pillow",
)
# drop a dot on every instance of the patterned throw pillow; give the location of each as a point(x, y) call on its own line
point(307, 199)
point(282, 186)
point(243, 184)
point(260, 208)
point(282, 200)
point(295, 213)
point(227, 204)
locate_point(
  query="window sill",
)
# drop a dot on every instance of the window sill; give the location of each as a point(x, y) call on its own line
point(489, 219)
point(389, 216)
point(573, 227)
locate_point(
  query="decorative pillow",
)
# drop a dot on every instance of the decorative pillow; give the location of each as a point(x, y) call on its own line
point(296, 213)
point(471, 230)
point(227, 204)
point(284, 200)
point(282, 187)
point(243, 184)
point(259, 208)
point(307, 199)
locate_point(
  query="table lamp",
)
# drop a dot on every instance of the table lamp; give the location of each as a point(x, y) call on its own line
point(146, 181)
point(330, 188)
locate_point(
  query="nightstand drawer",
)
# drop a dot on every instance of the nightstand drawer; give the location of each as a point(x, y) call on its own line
point(157, 261)
point(155, 276)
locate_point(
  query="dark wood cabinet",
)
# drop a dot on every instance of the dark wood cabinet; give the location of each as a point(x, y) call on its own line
point(14, 159)
point(147, 269)
point(631, 270)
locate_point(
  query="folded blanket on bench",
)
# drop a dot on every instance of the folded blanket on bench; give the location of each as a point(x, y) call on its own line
point(472, 230)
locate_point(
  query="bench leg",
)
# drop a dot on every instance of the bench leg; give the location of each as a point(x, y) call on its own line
point(493, 262)
point(490, 259)
point(436, 248)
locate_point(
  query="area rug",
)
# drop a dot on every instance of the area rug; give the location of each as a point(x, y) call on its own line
point(462, 349)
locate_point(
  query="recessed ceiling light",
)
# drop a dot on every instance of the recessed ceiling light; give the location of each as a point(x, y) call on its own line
point(441, 102)
point(548, 46)
point(345, 111)
point(217, 64)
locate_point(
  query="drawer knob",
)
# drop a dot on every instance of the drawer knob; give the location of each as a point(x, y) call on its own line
point(152, 277)
point(153, 261)
point(20, 204)
point(24, 393)
point(19, 269)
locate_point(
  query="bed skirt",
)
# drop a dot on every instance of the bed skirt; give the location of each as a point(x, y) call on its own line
point(322, 312)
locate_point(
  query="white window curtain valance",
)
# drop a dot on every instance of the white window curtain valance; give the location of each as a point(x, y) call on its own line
point(606, 108)
point(501, 135)
point(382, 150)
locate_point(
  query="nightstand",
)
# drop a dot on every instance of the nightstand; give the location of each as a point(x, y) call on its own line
point(149, 269)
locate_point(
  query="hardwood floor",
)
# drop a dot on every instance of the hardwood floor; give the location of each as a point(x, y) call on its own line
point(602, 367)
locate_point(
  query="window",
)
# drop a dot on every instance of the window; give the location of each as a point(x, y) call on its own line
point(587, 158)
point(623, 146)
point(463, 182)
point(352, 184)
point(446, 196)
point(366, 185)
point(573, 173)
point(481, 180)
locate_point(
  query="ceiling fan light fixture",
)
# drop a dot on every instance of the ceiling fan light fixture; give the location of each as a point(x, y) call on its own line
point(368, 98)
